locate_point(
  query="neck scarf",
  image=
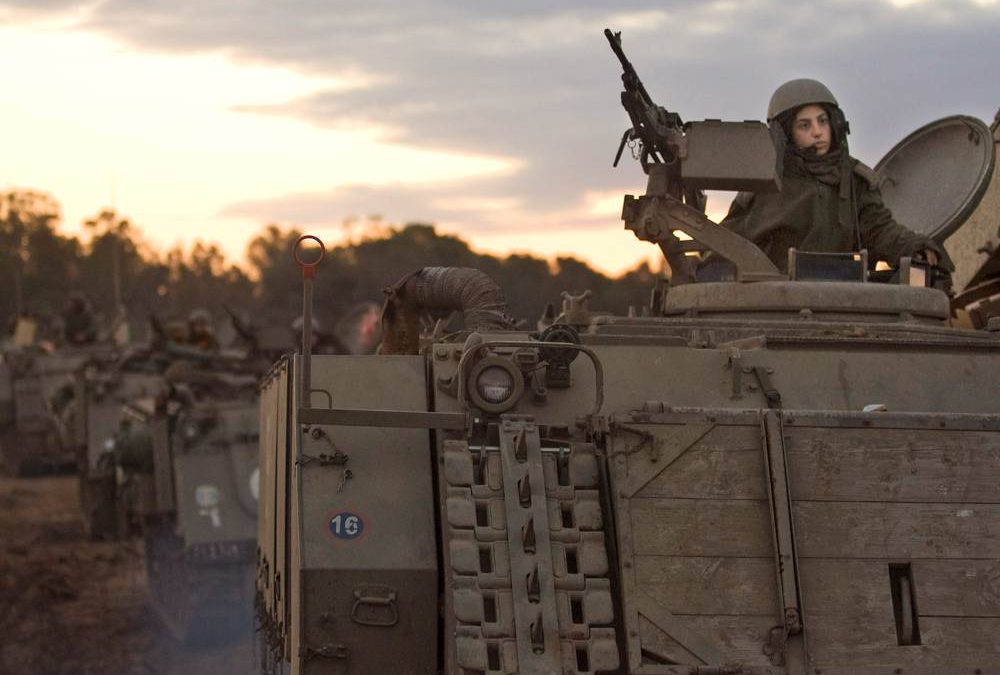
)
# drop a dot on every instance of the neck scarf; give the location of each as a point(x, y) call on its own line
point(826, 168)
point(833, 169)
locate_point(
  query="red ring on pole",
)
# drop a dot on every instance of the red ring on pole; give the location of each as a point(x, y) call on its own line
point(308, 268)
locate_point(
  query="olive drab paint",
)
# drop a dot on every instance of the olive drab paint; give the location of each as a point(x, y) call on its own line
point(775, 474)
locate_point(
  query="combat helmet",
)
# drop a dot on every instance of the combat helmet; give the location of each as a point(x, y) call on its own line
point(297, 325)
point(199, 316)
point(794, 94)
point(201, 333)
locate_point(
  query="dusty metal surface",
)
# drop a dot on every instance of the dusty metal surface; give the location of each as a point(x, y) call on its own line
point(856, 302)
point(751, 495)
point(347, 577)
point(762, 477)
point(934, 178)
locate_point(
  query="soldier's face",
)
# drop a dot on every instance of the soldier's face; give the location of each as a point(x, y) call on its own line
point(811, 129)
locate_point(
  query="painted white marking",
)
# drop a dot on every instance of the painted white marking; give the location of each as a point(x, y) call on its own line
point(213, 515)
point(207, 496)
point(255, 484)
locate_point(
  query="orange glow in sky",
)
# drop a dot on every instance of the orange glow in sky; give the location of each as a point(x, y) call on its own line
point(159, 137)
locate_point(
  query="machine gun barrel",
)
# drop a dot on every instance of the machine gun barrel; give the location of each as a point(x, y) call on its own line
point(629, 77)
point(658, 130)
point(245, 330)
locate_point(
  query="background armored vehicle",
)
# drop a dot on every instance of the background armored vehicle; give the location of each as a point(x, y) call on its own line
point(976, 249)
point(775, 474)
point(33, 391)
point(186, 482)
point(93, 417)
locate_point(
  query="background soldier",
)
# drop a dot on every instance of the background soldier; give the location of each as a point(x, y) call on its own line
point(200, 331)
point(322, 342)
point(78, 321)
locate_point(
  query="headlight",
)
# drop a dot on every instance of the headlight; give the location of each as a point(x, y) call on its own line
point(190, 430)
point(194, 425)
point(495, 384)
point(193, 428)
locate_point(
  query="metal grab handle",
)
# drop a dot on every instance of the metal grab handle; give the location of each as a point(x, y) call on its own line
point(363, 600)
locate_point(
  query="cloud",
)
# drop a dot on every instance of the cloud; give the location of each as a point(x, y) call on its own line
point(538, 85)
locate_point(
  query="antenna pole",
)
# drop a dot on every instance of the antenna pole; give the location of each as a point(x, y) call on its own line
point(308, 275)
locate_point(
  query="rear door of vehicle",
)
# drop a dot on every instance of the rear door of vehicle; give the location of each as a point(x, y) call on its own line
point(790, 542)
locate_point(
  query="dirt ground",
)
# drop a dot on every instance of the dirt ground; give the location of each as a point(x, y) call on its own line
point(69, 605)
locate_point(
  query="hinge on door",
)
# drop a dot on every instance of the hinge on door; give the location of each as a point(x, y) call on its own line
point(785, 645)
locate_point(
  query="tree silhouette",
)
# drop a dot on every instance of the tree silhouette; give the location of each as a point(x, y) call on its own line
point(36, 262)
point(120, 272)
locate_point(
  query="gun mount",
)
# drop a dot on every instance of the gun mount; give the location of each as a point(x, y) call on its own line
point(681, 160)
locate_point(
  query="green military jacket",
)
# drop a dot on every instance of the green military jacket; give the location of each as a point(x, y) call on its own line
point(79, 328)
point(823, 214)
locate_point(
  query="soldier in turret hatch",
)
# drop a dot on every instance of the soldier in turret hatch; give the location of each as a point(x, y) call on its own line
point(322, 342)
point(829, 202)
point(200, 331)
point(78, 321)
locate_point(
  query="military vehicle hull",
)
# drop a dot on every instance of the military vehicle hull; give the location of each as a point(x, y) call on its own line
point(777, 477)
point(94, 420)
point(783, 473)
point(36, 386)
point(187, 486)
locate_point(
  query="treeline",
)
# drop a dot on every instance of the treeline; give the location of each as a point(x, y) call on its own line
point(40, 267)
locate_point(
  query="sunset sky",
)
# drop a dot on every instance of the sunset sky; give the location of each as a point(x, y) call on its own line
point(495, 121)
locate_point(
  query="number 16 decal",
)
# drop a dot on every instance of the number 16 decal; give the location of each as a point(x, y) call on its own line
point(346, 525)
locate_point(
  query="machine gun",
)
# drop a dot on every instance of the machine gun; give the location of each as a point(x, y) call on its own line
point(244, 330)
point(682, 159)
point(658, 131)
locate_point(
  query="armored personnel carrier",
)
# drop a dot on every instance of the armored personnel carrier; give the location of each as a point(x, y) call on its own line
point(32, 393)
point(92, 418)
point(780, 474)
point(183, 466)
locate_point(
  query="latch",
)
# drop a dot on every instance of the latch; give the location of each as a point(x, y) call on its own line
point(337, 651)
point(793, 621)
point(738, 370)
point(375, 605)
point(336, 458)
point(771, 392)
point(729, 669)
